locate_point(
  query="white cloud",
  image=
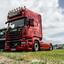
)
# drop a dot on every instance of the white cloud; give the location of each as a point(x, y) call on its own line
point(52, 18)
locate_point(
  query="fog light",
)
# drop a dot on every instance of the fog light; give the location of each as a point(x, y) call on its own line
point(23, 42)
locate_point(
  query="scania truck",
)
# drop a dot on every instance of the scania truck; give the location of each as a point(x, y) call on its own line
point(24, 31)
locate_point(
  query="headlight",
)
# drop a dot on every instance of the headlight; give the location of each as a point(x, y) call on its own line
point(23, 42)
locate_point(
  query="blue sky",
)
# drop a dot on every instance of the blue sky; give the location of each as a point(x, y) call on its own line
point(61, 3)
point(52, 12)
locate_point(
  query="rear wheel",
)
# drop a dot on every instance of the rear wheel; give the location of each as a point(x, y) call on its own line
point(51, 47)
point(36, 46)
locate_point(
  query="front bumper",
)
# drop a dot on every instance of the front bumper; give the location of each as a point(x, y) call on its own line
point(23, 47)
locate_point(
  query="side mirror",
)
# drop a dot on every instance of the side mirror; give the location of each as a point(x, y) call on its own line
point(6, 22)
point(27, 22)
point(31, 22)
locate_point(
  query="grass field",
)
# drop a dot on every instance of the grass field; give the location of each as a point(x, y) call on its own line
point(40, 57)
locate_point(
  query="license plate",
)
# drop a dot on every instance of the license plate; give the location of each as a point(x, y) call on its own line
point(13, 49)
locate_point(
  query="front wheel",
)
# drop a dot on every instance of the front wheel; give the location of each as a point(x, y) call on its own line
point(36, 46)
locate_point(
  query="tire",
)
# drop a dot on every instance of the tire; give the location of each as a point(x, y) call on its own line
point(36, 46)
point(51, 48)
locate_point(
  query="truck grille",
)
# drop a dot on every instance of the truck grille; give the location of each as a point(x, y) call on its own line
point(13, 35)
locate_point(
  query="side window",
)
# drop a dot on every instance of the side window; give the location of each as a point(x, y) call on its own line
point(31, 22)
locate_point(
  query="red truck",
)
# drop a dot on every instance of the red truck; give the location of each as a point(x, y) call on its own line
point(24, 31)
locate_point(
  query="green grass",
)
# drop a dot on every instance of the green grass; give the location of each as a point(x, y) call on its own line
point(56, 56)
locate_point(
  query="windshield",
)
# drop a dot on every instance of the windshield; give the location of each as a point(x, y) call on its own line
point(17, 23)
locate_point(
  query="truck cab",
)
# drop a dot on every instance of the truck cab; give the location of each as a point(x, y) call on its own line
point(24, 31)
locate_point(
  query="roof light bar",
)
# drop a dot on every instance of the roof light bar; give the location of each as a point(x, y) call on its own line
point(15, 11)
